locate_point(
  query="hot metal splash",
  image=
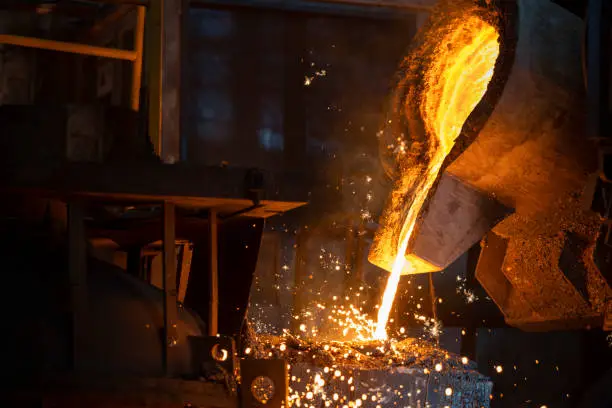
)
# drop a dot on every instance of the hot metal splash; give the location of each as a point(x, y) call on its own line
point(455, 82)
point(402, 373)
point(361, 364)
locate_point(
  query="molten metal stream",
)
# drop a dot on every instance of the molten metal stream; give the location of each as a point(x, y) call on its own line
point(456, 82)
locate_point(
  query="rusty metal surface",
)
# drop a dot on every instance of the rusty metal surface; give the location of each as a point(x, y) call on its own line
point(490, 274)
point(543, 283)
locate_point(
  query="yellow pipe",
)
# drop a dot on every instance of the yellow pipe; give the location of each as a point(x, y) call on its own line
point(68, 47)
point(137, 66)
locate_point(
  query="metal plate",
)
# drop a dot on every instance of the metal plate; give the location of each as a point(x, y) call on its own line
point(264, 383)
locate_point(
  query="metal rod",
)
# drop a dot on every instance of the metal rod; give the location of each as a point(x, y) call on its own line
point(434, 303)
point(137, 66)
point(213, 311)
point(74, 48)
point(169, 284)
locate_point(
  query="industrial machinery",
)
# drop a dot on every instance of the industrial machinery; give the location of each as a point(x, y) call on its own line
point(523, 173)
point(138, 266)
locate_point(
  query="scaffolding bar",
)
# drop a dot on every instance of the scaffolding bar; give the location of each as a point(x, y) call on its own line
point(74, 48)
point(137, 65)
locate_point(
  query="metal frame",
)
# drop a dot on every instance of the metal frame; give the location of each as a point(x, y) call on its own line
point(134, 56)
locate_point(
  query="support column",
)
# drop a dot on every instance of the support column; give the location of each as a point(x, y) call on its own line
point(213, 310)
point(169, 284)
point(164, 68)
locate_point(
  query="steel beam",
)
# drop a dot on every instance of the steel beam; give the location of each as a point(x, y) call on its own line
point(169, 285)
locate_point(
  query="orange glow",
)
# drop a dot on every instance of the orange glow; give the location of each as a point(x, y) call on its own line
point(455, 83)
